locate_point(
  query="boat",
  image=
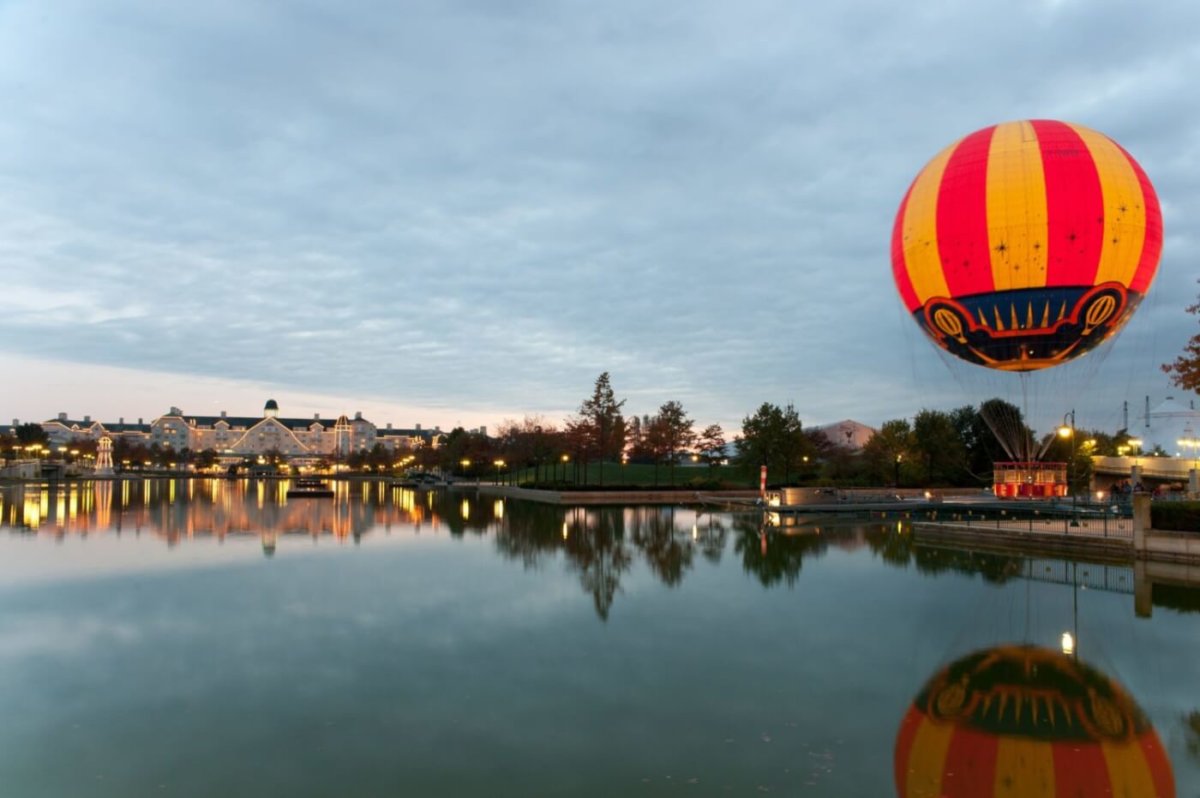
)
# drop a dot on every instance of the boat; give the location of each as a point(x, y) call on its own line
point(309, 488)
point(420, 481)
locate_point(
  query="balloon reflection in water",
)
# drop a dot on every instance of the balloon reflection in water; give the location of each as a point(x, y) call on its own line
point(1024, 721)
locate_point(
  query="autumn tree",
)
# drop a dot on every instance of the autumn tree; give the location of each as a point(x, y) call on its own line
point(796, 446)
point(937, 444)
point(205, 459)
point(29, 434)
point(634, 433)
point(759, 443)
point(653, 448)
point(532, 442)
point(710, 445)
point(1185, 371)
point(773, 437)
point(676, 432)
point(888, 450)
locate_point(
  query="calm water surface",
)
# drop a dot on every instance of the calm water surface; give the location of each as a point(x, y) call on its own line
point(199, 638)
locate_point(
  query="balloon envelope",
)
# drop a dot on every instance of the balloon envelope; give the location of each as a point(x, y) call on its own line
point(1026, 244)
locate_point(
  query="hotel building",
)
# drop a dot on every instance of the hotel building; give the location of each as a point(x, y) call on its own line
point(246, 436)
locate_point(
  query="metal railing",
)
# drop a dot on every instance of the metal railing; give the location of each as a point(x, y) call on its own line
point(1112, 520)
point(1093, 576)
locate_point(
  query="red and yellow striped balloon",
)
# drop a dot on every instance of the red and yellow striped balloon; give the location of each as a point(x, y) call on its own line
point(1026, 244)
point(1027, 722)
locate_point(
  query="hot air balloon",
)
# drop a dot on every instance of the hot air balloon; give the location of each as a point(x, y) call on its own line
point(1020, 720)
point(1026, 244)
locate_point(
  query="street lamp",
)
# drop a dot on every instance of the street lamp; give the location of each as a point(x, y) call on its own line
point(499, 465)
point(1066, 431)
point(899, 458)
point(1135, 444)
point(566, 458)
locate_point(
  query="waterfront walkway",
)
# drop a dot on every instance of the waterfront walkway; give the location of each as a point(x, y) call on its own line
point(1107, 536)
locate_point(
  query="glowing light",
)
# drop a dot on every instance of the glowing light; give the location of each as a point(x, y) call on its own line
point(1068, 643)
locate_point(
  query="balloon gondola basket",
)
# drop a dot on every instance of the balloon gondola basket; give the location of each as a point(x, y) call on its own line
point(1029, 480)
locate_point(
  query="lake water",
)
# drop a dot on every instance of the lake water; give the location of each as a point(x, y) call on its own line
point(201, 638)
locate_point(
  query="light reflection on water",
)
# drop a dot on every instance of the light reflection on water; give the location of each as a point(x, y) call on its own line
point(224, 639)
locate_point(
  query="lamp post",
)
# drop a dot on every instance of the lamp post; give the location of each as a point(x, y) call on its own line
point(1136, 472)
point(1193, 443)
point(896, 465)
point(1066, 431)
point(499, 465)
point(566, 458)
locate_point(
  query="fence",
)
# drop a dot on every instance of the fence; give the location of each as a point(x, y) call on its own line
point(1085, 520)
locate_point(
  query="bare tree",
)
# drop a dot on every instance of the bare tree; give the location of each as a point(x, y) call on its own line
point(677, 434)
point(600, 415)
point(711, 445)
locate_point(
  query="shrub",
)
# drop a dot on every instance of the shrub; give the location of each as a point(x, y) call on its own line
point(1175, 516)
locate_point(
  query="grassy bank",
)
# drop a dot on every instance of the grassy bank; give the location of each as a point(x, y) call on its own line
point(633, 475)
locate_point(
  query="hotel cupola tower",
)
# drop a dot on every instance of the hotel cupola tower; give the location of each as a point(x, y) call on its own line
point(271, 409)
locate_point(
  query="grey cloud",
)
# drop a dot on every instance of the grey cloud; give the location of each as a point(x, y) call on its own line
point(480, 207)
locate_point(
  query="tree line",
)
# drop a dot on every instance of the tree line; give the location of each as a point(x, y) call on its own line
point(955, 448)
point(934, 448)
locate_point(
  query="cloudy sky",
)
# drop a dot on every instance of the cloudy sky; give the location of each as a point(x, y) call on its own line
point(458, 212)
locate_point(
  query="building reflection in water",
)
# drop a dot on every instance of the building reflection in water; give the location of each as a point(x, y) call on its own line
point(179, 509)
point(1026, 721)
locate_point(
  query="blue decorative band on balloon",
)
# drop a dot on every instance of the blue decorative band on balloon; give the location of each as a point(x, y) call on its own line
point(1028, 328)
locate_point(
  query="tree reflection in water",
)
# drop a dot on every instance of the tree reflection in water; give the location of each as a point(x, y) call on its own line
point(592, 540)
point(895, 546)
point(773, 556)
point(667, 549)
point(601, 544)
